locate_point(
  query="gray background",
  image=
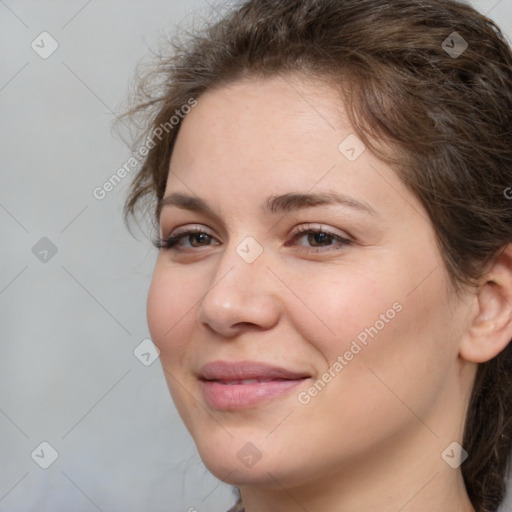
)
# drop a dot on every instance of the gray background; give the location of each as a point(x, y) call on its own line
point(71, 322)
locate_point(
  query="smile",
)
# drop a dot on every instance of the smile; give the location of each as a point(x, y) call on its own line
point(232, 386)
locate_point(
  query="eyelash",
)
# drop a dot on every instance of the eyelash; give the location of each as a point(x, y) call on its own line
point(171, 242)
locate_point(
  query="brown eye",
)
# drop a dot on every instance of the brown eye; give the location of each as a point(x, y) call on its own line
point(319, 239)
point(199, 239)
point(187, 240)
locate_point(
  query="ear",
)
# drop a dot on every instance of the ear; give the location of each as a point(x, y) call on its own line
point(490, 329)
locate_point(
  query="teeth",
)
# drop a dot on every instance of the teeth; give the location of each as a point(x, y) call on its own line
point(245, 381)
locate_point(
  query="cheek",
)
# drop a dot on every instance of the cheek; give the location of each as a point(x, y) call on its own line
point(340, 307)
point(169, 313)
point(378, 329)
point(170, 321)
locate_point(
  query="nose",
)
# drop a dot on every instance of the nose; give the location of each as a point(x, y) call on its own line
point(241, 296)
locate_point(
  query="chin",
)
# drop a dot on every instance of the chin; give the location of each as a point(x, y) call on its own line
point(241, 462)
point(261, 475)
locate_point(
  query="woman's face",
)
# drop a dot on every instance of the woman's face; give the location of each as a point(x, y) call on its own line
point(306, 326)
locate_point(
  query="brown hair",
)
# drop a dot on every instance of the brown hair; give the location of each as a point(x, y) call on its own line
point(442, 110)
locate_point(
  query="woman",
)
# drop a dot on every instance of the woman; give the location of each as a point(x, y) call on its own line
point(332, 297)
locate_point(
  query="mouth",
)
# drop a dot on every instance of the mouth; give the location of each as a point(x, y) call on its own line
point(244, 382)
point(232, 386)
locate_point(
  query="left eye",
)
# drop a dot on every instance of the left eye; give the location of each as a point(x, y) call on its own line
point(318, 238)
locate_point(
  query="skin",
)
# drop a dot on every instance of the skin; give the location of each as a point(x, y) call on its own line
point(372, 438)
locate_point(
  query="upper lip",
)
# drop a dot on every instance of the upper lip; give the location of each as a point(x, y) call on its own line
point(227, 371)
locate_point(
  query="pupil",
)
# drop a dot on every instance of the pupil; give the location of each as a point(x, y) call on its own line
point(319, 238)
point(200, 238)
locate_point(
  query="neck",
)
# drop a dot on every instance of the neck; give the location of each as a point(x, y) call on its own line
point(440, 492)
point(387, 483)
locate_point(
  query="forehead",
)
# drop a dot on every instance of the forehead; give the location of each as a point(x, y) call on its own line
point(282, 103)
point(280, 134)
point(262, 124)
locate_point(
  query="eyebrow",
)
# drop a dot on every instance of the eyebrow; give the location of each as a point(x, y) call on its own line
point(283, 203)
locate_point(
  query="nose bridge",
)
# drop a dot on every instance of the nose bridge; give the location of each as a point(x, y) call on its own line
point(239, 292)
point(235, 276)
point(242, 264)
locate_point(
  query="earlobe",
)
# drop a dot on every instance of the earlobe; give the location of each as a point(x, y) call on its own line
point(490, 329)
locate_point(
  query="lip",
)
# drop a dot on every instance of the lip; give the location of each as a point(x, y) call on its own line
point(244, 384)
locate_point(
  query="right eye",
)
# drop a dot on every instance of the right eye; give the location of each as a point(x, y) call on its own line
point(186, 239)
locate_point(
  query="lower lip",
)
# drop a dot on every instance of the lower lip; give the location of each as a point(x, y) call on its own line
point(240, 396)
